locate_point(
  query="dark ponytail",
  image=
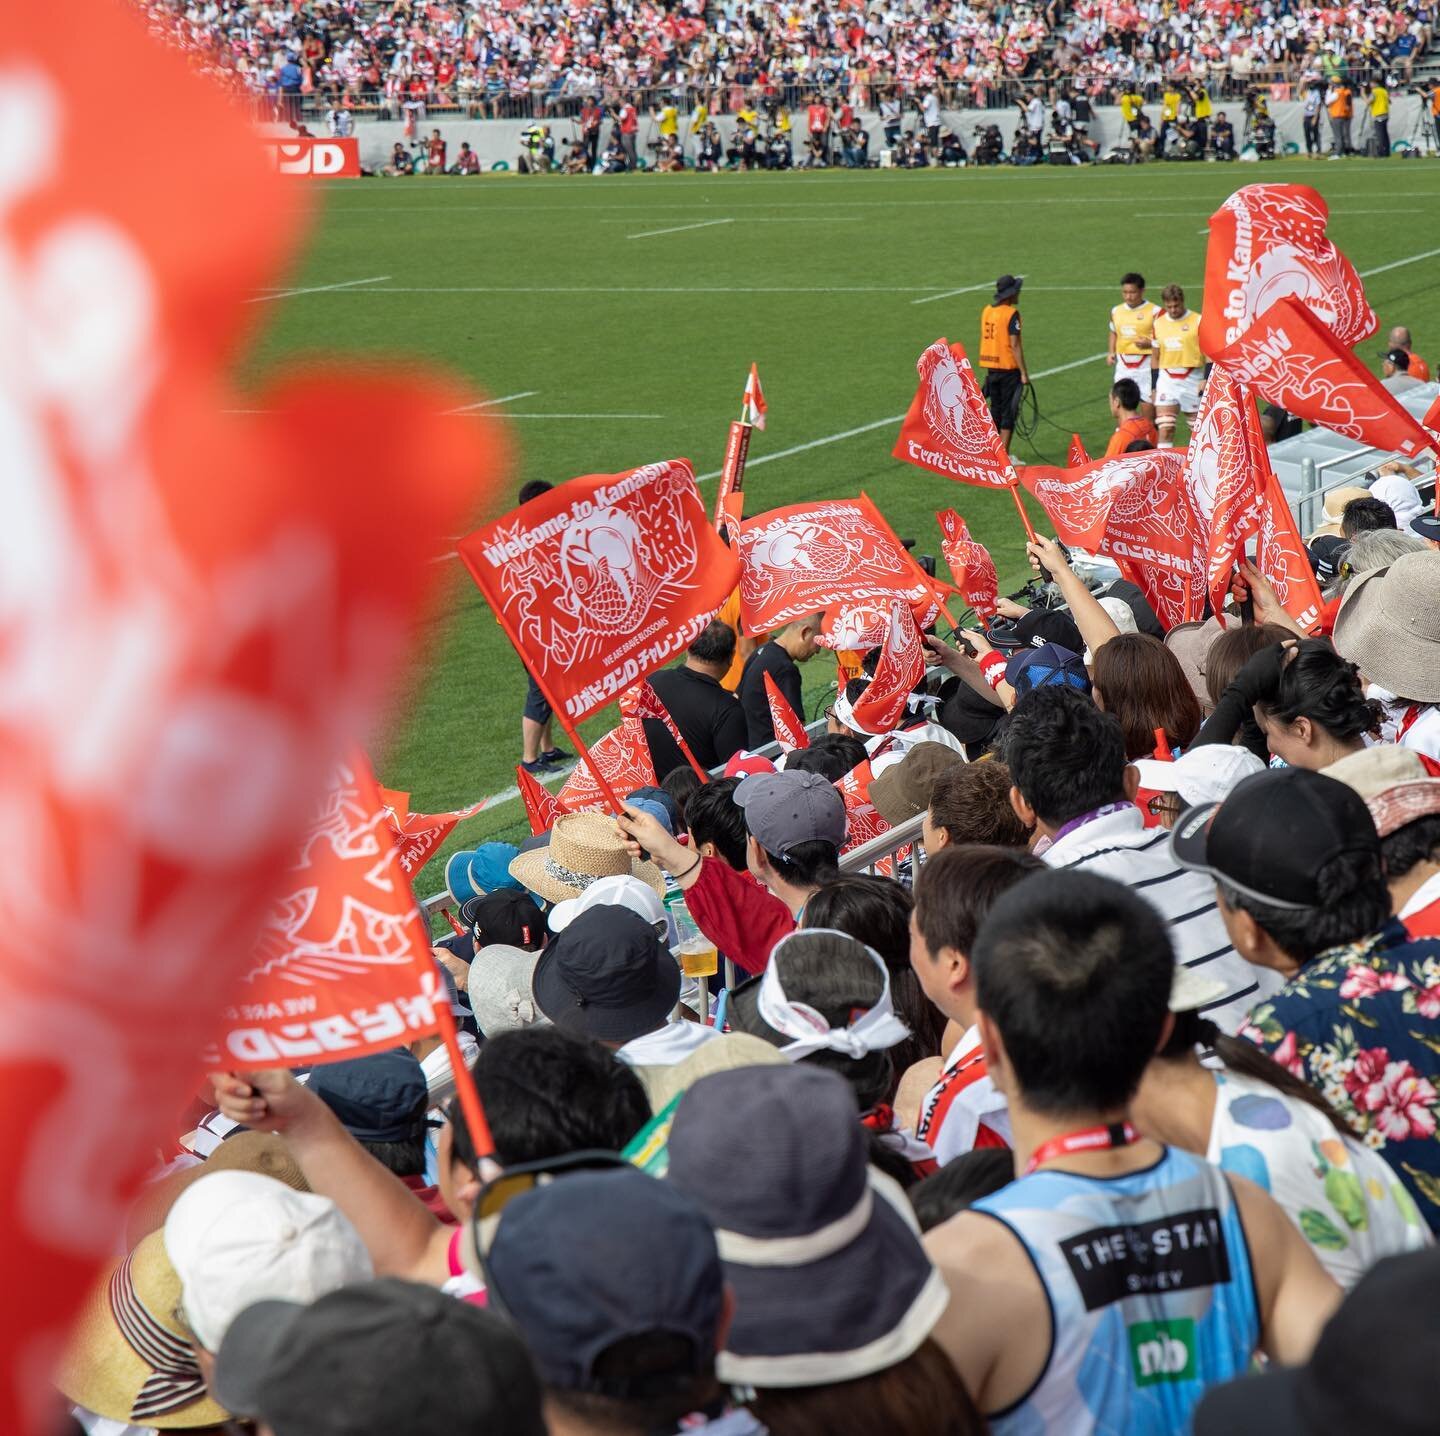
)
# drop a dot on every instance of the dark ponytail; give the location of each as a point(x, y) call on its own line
point(1320, 685)
point(1241, 1056)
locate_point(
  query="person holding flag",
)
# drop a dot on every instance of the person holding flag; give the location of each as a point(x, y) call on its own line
point(1002, 356)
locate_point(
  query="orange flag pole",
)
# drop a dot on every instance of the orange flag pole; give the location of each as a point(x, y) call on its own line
point(465, 1090)
point(616, 806)
point(1020, 509)
point(454, 926)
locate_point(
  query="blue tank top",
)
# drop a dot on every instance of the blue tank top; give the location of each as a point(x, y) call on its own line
point(1151, 1295)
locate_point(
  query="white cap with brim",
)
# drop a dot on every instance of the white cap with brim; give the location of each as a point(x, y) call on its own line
point(1203, 775)
point(619, 891)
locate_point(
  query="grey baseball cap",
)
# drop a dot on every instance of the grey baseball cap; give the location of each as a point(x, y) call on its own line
point(783, 810)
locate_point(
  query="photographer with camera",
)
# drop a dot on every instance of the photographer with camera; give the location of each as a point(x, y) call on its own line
point(709, 152)
point(989, 145)
point(1312, 104)
point(1339, 101)
point(1223, 138)
point(1201, 109)
point(1377, 98)
point(537, 154)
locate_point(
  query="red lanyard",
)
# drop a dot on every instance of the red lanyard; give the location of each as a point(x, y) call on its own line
point(1088, 1139)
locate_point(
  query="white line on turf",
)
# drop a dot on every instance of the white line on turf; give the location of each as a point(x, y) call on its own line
point(705, 289)
point(876, 424)
point(317, 289)
point(491, 403)
point(1399, 263)
point(950, 293)
point(510, 414)
point(676, 228)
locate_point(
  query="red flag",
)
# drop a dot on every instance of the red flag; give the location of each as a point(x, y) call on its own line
point(417, 835)
point(856, 627)
point(881, 708)
point(789, 730)
point(1268, 243)
point(186, 642)
point(1135, 508)
point(623, 757)
point(343, 967)
point(862, 821)
point(753, 404)
point(970, 563)
point(1076, 455)
point(808, 557)
point(1294, 361)
point(1223, 480)
point(541, 805)
point(948, 428)
point(642, 701)
point(732, 471)
point(602, 580)
point(1279, 553)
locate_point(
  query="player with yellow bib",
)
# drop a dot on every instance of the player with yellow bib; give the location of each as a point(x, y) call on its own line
point(1180, 364)
point(1132, 339)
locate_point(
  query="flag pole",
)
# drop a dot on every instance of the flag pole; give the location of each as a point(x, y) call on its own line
point(1020, 509)
point(465, 1090)
point(616, 806)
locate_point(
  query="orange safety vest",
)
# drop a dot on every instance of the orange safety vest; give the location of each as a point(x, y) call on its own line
point(996, 351)
point(1340, 109)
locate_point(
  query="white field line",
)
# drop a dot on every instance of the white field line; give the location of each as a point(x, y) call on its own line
point(510, 414)
point(950, 293)
point(678, 228)
point(924, 289)
point(876, 424)
point(1399, 263)
point(490, 403)
point(317, 289)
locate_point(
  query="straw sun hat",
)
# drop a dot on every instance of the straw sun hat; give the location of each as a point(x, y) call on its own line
point(130, 1310)
point(1389, 626)
point(583, 847)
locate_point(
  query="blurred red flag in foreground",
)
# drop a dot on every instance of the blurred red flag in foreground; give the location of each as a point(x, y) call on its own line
point(193, 620)
point(343, 966)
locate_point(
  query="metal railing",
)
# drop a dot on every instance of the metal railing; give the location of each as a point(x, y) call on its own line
point(1309, 502)
point(889, 845)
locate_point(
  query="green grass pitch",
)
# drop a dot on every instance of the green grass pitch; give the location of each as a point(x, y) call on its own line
point(638, 303)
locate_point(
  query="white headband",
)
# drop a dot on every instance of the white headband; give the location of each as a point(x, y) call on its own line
point(844, 713)
point(876, 1031)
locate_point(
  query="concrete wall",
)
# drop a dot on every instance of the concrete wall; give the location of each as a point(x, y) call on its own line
point(500, 139)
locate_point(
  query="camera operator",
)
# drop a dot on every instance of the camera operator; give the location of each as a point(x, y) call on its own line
point(1377, 97)
point(1026, 148)
point(952, 151)
point(1430, 91)
point(614, 161)
point(668, 157)
point(913, 152)
point(855, 146)
point(1142, 138)
point(778, 155)
point(927, 105)
point(1223, 138)
point(577, 162)
point(1201, 109)
point(989, 145)
point(537, 154)
point(1313, 104)
point(709, 152)
point(742, 152)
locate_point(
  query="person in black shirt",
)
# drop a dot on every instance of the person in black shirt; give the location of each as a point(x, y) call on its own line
point(791, 645)
point(709, 718)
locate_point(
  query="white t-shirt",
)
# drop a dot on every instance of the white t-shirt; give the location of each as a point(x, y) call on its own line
point(930, 109)
point(1419, 731)
point(1345, 1199)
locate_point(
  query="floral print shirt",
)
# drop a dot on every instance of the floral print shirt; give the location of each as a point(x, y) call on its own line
point(1359, 1023)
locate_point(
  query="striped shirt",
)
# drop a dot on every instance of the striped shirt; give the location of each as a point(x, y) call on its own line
point(1118, 845)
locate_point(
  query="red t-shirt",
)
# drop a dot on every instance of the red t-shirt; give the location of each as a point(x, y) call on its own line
point(629, 120)
point(819, 118)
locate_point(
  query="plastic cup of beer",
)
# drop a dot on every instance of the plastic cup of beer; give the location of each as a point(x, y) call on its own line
point(698, 957)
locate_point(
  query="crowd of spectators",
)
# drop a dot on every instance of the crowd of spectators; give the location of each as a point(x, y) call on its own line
point(1165, 911)
point(498, 59)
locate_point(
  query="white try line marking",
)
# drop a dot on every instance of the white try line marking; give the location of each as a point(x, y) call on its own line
point(317, 289)
point(950, 293)
point(490, 403)
point(677, 228)
point(1399, 263)
point(877, 424)
point(510, 414)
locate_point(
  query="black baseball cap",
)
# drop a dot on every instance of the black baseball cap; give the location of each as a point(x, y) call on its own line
point(654, 1272)
point(1373, 1369)
point(1326, 552)
point(1274, 833)
point(380, 1098)
point(1427, 526)
point(506, 915)
point(1399, 358)
point(383, 1355)
point(607, 976)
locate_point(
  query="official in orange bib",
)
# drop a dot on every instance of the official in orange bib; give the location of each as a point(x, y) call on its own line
point(1002, 357)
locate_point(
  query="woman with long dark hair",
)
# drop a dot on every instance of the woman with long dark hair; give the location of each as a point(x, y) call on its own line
point(1310, 705)
point(1140, 682)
